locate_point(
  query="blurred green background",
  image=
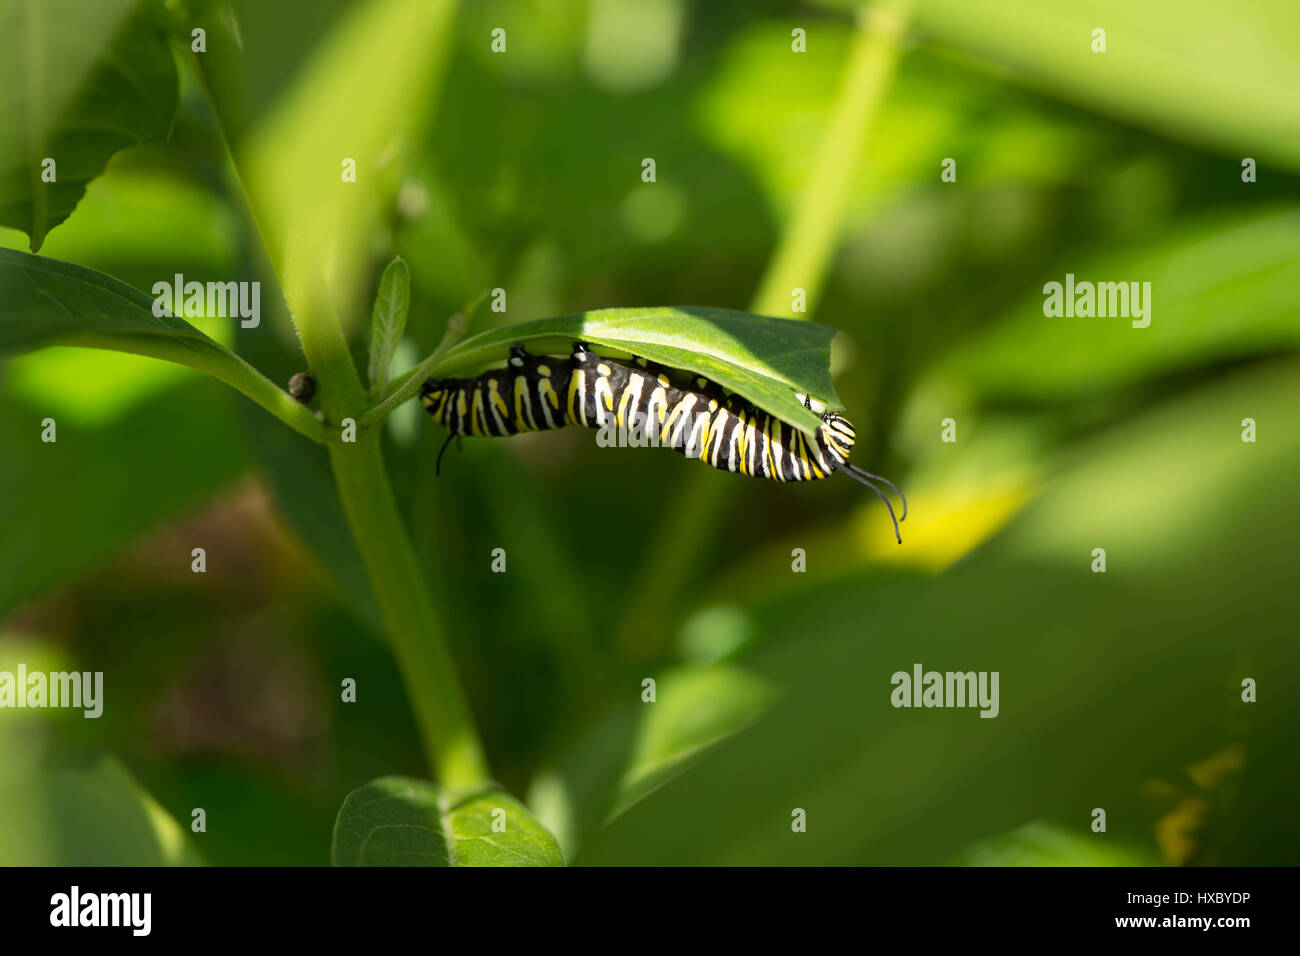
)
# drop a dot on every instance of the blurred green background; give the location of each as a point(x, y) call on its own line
point(522, 170)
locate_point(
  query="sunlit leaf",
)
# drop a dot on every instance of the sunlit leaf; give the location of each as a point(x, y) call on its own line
point(395, 821)
point(1194, 69)
point(78, 82)
point(47, 302)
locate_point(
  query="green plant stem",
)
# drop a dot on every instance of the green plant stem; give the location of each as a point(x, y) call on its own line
point(801, 261)
point(803, 257)
point(428, 670)
point(442, 712)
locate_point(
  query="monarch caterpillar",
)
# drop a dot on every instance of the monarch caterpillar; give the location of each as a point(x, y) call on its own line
point(687, 412)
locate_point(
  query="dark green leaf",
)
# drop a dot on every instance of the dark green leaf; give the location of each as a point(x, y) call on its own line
point(395, 821)
point(1106, 680)
point(68, 504)
point(638, 747)
point(1217, 289)
point(764, 360)
point(388, 322)
point(78, 82)
point(47, 302)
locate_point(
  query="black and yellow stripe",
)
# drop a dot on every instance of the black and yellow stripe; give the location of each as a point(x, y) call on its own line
point(688, 413)
point(683, 411)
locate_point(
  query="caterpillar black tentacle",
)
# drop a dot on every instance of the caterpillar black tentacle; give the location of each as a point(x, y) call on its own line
point(437, 465)
point(859, 476)
point(684, 411)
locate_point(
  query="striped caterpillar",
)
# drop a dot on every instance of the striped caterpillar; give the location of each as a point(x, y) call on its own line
point(684, 411)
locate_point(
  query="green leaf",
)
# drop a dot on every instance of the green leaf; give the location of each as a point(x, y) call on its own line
point(1042, 844)
point(1186, 68)
point(47, 302)
point(79, 81)
point(93, 816)
point(150, 462)
point(636, 748)
point(1219, 288)
point(387, 322)
point(762, 359)
point(396, 821)
point(138, 223)
point(1196, 583)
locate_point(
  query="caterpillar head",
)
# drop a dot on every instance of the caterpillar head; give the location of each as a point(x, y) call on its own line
point(836, 436)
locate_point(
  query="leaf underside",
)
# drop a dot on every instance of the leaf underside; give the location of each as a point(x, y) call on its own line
point(766, 361)
point(48, 302)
